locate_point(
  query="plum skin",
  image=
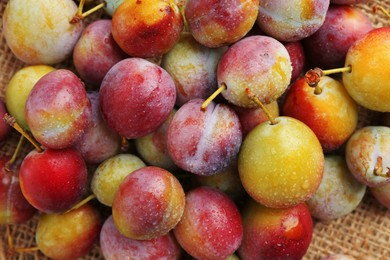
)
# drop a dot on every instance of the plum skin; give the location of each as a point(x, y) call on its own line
point(116, 246)
point(281, 165)
point(218, 23)
point(147, 28)
point(53, 180)
point(204, 142)
point(210, 219)
point(61, 120)
point(148, 204)
point(136, 97)
point(332, 114)
point(275, 233)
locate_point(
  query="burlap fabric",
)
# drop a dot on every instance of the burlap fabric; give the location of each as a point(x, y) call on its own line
point(363, 234)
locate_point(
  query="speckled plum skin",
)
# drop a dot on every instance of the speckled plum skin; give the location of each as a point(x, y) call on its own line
point(58, 110)
point(339, 192)
point(153, 147)
point(263, 175)
point(212, 220)
point(368, 154)
point(193, 68)
point(332, 115)
point(220, 23)
point(204, 142)
point(96, 52)
point(227, 180)
point(275, 233)
point(111, 173)
point(14, 208)
point(136, 97)
point(53, 180)
point(39, 32)
point(298, 58)
point(291, 20)
point(116, 246)
point(382, 195)
point(99, 142)
point(368, 82)
point(18, 88)
point(259, 63)
point(147, 28)
point(70, 235)
point(343, 25)
point(148, 204)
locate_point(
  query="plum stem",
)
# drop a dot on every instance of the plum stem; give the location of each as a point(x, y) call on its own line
point(81, 203)
point(80, 15)
point(124, 144)
point(94, 9)
point(9, 164)
point(383, 10)
point(378, 169)
point(9, 240)
point(313, 76)
point(255, 99)
point(12, 122)
point(212, 97)
point(181, 5)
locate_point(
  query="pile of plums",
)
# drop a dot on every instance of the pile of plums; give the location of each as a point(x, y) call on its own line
point(165, 129)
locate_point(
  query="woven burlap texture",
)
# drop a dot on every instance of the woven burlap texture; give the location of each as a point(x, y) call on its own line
point(363, 234)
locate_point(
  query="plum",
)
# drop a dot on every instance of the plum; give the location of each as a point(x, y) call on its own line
point(204, 142)
point(226, 180)
point(331, 113)
point(148, 204)
point(116, 246)
point(96, 52)
point(291, 20)
point(343, 25)
point(147, 28)
point(58, 110)
point(220, 23)
point(110, 173)
point(211, 226)
point(54, 180)
point(281, 165)
point(368, 80)
point(70, 235)
point(297, 56)
point(382, 194)
point(193, 68)
point(19, 87)
point(258, 63)
point(39, 32)
point(14, 208)
point(275, 233)
point(99, 142)
point(153, 149)
point(136, 97)
point(367, 153)
point(339, 192)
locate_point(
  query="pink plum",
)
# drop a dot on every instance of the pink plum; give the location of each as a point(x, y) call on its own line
point(136, 97)
point(204, 142)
